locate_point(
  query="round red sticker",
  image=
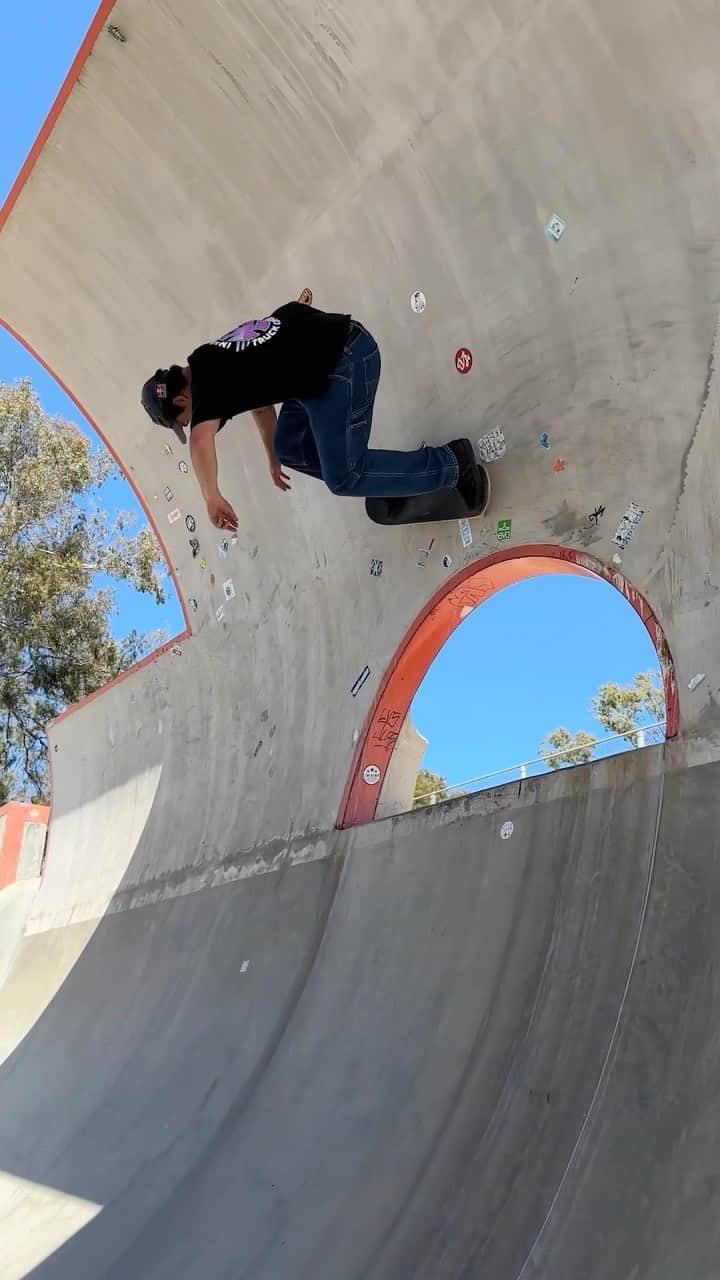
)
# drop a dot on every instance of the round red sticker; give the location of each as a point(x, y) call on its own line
point(463, 360)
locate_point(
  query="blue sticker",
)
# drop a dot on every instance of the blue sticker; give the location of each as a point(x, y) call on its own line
point(544, 440)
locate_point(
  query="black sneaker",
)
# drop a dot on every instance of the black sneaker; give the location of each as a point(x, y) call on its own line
point(471, 483)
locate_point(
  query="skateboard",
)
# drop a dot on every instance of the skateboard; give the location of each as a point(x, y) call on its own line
point(442, 504)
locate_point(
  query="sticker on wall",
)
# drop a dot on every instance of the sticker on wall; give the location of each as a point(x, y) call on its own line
point(183, 466)
point(627, 526)
point(463, 360)
point(465, 532)
point(559, 464)
point(228, 589)
point(193, 604)
point(596, 516)
point(190, 524)
point(424, 554)
point(506, 830)
point(244, 966)
point(212, 579)
point(556, 227)
point(202, 562)
point(364, 675)
point(167, 448)
point(371, 775)
point(376, 568)
point(177, 650)
point(194, 546)
point(174, 515)
point(168, 493)
point(447, 562)
point(418, 302)
point(504, 530)
point(617, 559)
point(696, 680)
point(223, 547)
point(544, 440)
point(220, 613)
point(492, 445)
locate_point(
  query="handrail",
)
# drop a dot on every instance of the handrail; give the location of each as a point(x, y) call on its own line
point(526, 764)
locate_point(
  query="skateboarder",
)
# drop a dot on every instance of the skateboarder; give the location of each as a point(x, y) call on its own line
point(324, 368)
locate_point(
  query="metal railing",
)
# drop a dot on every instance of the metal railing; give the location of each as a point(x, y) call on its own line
point(521, 769)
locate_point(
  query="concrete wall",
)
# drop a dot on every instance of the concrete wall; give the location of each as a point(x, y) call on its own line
point(23, 829)
point(398, 786)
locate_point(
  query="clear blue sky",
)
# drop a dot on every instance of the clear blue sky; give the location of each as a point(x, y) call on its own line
point(523, 663)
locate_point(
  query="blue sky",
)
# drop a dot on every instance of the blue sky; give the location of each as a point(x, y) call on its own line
point(523, 663)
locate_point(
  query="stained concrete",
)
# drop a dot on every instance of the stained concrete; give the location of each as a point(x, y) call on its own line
point(448, 1055)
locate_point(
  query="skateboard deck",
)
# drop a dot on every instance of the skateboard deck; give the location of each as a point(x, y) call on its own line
point(442, 504)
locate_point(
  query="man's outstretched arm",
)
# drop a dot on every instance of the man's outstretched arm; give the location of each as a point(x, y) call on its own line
point(266, 422)
point(204, 460)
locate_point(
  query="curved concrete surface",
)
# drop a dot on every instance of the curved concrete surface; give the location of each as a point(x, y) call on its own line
point(237, 1041)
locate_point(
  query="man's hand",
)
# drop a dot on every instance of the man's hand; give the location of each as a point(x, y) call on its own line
point(279, 478)
point(221, 513)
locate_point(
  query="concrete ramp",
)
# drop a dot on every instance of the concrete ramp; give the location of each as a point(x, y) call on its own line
point(398, 1083)
point(236, 1040)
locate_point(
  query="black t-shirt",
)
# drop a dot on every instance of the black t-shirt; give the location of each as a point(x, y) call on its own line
point(287, 355)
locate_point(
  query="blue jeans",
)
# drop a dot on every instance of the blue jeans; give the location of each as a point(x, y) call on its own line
point(328, 437)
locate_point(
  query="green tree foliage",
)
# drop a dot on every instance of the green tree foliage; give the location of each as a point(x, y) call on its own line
point(55, 640)
point(562, 747)
point(429, 789)
point(621, 709)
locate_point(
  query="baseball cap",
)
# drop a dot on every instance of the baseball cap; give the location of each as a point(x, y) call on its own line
point(157, 399)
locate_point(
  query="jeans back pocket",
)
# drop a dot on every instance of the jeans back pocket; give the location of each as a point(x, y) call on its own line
point(365, 379)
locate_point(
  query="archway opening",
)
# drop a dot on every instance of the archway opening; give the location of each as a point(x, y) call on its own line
point(87, 592)
point(387, 752)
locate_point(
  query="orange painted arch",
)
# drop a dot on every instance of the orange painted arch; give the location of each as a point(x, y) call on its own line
point(442, 614)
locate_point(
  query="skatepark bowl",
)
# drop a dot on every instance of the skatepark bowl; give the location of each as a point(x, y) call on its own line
point(246, 1032)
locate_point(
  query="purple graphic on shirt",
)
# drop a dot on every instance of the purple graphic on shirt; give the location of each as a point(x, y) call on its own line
point(251, 333)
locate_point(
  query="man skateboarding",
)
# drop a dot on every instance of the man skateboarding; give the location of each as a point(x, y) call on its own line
point(324, 369)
